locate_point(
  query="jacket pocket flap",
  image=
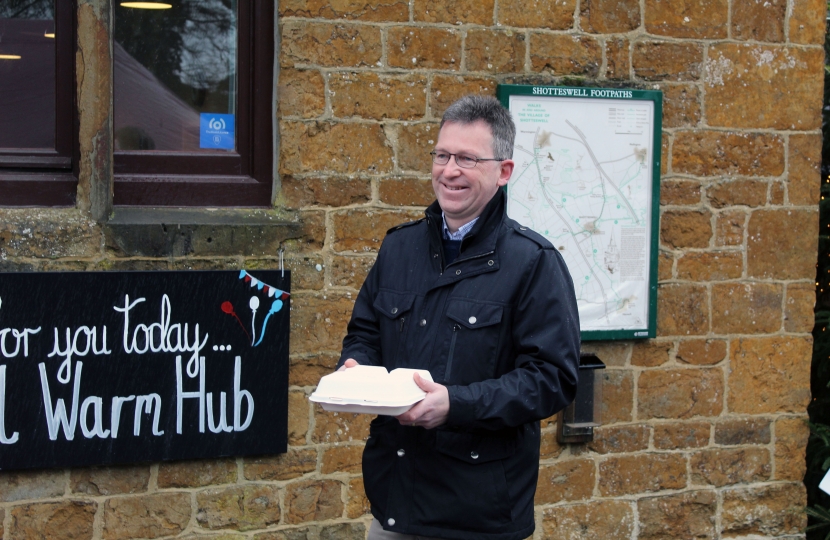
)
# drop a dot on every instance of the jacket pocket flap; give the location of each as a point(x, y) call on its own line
point(474, 448)
point(393, 304)
point(474, 314)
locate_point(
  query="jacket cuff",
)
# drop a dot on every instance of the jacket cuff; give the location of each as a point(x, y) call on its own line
point(462, 408)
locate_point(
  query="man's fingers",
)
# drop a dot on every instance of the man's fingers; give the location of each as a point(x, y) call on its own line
point(424, 384)
point(351, 362)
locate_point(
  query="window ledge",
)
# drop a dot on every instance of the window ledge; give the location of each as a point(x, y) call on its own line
point(175, 232)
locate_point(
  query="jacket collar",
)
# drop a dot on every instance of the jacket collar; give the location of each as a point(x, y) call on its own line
point(482, 238)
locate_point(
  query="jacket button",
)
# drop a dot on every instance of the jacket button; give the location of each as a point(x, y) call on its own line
point(490, 263)
point(391, 522)
point(394, 310)
point(423, 322)
point(522, 228)
point(434, 255)
point(458, 272)
point(401, 452)
point(472, 320)
point(474, 454)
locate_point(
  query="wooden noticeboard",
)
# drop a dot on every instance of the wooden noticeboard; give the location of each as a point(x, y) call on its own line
point(119, 367)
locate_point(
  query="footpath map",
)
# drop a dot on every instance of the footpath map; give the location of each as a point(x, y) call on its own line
point(583, 179)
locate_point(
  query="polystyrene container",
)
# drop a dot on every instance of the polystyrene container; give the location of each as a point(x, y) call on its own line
point(370, 390)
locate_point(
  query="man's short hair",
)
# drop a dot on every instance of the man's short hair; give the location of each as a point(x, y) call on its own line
point(472, 108)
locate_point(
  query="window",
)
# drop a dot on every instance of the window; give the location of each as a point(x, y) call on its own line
point(38, 142)
point(193, 93)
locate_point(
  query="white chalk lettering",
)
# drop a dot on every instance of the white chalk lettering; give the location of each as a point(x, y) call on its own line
point(98, 429)
point(151, 403)
point(3, 438)
point(19, 336)
point(56, 415)
point(89, 341)
point(205, 400)
point(181, 395)
point(238, 395)
point(115, 414)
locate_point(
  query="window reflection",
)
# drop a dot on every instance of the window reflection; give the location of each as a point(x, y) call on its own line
point(27, 74)
point(175, 76)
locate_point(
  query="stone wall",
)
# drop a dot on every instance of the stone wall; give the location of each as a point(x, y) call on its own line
point(704, 427)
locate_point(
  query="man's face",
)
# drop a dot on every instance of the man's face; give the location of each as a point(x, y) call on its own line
point(463, 193)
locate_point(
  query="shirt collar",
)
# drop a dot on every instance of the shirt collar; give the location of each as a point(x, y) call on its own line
point(462, 230)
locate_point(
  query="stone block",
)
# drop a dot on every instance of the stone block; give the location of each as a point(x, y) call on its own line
point(782, 244)
point(301, 93)
point(571, 480)
point(617, 396)
point(312, 233)
point(407, 191)
point(608, 519)
point(791, 436)
point(609, 16)
point(64, 519)
point(701, 352)
point(667, 61)
point(412, 47)
point(293, 464)
point(326, 191)
point(741, 192)
point(565, 54)
point(613, 353)
point(665, 264)
point(363, 10)
point(692, 514)
point(185, 474)
point(681, 435)
point(780, 87)
point(446, 90)
point(338, 148)
point(97, 481)
point(724, 466)
point(729, 227)
point(299, 411)
point(710, 265)
point(798, 307)
point(617, 62)
point(242, 508)
point(686, 228)
point(20, 485)
point(318, 323)
point(361, 230)
point(759, 21)
point(48, 233)
point(456, 12)
point(356, 502)
point(696, 19)
point(415, 142)
point(681, 105)
point(772, 510)
point(377, 97)
point(803, 169)
point(651, 353)
point(680, 393)
point(665, 143)
point(718, 153)
point(550, 448)
point(735, 431)
point(335, 427)
point(776, 193)
point(683, 309)
point(641, 473)
point(805, 26)
point(747, 308)
point(769, 375)
point(495, 51)
point(343, 531)
point(313, 500)
point(553, 15)
point(618, 439)
point(350, 271)
point(148, 516)
point(341, 45)
point(342, 459)
point(307, 370)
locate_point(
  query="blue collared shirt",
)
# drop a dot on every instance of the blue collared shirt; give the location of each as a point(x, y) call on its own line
point(461, 232)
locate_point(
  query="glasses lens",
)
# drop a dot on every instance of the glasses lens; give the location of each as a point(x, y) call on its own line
point(467, 162)
point(440, 158)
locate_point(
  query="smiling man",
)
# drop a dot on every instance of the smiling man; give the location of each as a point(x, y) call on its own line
point(488, 307)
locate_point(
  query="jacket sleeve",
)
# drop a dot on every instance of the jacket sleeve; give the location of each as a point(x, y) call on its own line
point(362, 341)
point(546, 347)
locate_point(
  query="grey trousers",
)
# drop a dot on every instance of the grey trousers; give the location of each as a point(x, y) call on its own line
point(376, 532)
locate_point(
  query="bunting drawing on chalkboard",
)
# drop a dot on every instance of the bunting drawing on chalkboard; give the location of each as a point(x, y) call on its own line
point(254, 303)
point(270, 290)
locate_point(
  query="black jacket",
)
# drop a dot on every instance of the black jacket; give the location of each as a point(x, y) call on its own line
point(499, 327)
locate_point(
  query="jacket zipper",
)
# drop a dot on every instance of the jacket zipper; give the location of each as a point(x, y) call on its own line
point(403, 320)
point(455, 328)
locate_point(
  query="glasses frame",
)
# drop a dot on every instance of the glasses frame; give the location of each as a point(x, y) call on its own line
point(434, 155)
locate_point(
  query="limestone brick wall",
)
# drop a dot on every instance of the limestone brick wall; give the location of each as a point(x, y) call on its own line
point(704, 427)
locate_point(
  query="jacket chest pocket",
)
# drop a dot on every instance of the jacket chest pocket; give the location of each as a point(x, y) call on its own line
point(395, 309)
point(474, 342)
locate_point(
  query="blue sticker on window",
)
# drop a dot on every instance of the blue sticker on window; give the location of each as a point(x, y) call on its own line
point(216, 131)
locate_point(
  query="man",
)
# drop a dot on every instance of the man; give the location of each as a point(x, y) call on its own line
point(488, 307)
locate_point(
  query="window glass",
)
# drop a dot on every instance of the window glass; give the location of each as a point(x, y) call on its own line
point(27, 74)
point(175, 75)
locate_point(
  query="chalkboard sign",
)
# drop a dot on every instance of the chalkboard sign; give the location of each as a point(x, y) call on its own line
point(118, 367)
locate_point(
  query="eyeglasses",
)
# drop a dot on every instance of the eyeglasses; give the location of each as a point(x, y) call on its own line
point(463, 160)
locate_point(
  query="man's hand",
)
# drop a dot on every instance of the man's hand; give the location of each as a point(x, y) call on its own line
point(351, 362)
point(430, 412)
